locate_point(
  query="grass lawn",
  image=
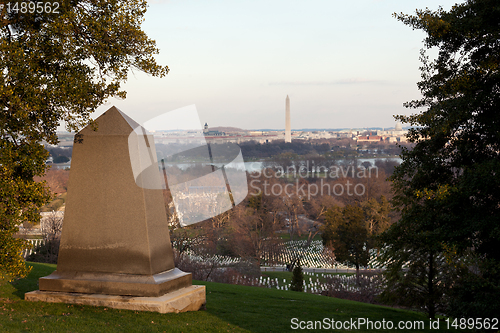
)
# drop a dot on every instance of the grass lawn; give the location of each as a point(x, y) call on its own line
point(229, 308)
point(55, 204)
point(285, 236)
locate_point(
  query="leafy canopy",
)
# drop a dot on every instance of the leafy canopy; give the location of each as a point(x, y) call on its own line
point(448, 185)
point(297, 283)
point(346, 232)
point(54, 67)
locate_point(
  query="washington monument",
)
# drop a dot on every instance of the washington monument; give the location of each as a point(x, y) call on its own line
point(288, 128)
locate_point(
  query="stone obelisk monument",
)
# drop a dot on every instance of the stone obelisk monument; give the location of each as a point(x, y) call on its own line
point(288, 127)
point(115, 247)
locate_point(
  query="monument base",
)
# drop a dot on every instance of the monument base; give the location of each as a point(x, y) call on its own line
point(191, 298)
point(116, 284)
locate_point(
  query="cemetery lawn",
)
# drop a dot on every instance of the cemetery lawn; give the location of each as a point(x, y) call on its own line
point(285, 236)
point(230, 308)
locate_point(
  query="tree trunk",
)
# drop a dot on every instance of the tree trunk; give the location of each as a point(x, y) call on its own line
point(431, 305)
point(357, 274)
point(311, 236)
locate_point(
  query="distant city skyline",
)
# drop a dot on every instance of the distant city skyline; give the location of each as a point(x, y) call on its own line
point(373, 128)
point(343, 64)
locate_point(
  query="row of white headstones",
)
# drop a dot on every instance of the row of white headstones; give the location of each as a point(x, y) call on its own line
point(313, 256)
point(314, 283)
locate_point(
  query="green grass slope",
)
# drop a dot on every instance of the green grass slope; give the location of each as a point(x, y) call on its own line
point(229, 308)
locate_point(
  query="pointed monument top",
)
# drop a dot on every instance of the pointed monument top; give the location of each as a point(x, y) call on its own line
point(112, 122)
point(287, 97)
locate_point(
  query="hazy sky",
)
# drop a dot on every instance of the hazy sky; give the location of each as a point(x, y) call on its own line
point(343, 63)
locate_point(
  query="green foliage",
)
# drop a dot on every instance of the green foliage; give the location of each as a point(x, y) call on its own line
point(255, 201)
point(345, 231)
point(55, 204)
point(53, 67)
point(20, 198)
point(297, 283)
point(376, 214)
point(448, 185)
point(11, 262)
point(61, 159)
point(416, 277)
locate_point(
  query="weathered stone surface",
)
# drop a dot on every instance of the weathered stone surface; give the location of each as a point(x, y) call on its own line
point(186, 299)
point(112, 225)
point(115, 247)
point(116, 284)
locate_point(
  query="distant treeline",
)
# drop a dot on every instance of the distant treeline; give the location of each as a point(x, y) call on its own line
point(341, 148)
point(333, 148)
point(252, 149)
point(60, 155)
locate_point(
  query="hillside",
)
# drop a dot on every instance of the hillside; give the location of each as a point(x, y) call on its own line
point(230, 308)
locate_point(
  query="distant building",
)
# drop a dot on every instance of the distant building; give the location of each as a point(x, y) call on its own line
point(397, 131)
point(315, 135)
point(398, 127)
point(393, 135)
point(206, 132)
point(370, 138)
point(288, 125)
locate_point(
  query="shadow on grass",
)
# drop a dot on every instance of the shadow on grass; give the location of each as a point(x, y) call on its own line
point(30, 283)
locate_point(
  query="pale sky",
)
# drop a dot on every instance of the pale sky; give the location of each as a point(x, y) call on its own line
point(344, 64)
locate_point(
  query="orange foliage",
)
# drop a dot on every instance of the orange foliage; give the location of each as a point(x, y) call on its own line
point(56, 179)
